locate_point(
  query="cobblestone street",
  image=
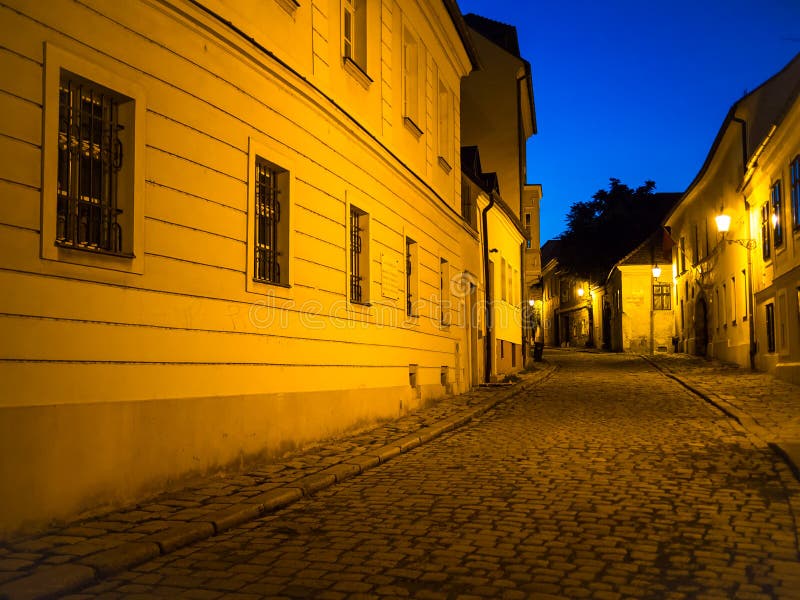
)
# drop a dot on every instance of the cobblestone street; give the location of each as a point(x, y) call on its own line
point(607, 480)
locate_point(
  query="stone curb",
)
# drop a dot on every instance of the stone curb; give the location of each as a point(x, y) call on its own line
point(55, 581)
point(788, 451)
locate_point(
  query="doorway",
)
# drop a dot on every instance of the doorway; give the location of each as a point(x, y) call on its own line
point(700, 327)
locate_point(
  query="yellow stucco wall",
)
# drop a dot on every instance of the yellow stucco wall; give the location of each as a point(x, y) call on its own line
point(121, 376)
point(776, 280)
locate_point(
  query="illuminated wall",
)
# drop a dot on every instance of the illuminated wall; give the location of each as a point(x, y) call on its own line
point(203, 312)
point(773, 192)
point(713, 279)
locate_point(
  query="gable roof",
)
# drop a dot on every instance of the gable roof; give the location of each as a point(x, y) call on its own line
point(499, 33)
point(463, 33)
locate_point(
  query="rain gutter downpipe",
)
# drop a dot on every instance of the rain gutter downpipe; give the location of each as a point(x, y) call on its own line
point(751, 328)
point(487, 375)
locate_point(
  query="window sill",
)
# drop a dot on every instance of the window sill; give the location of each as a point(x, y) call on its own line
point(69, 254)
point(355, 71)
point(271, 283)
point(89, 249)
point(445, 165)
point(412, 127)
point(290, 6)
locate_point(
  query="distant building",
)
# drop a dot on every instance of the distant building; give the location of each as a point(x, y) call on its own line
point(637, 310)
point(736, 292)
point(567, 303)
point(228, 228)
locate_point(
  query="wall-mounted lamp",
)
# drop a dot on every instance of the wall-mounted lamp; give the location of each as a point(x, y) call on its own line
point(723, 222)
point(581, 292)
point(656, 271)
point(530, 302)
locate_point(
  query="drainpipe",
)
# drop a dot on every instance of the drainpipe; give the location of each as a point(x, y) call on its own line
point(751, 328)
point(521, 139)
point(487, 297)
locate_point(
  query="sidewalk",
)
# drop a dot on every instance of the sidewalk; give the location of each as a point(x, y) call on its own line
point(69, 558)
point(766, 407)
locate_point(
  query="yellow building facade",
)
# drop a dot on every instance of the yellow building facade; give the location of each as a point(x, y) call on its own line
point(772, 187)
point(228, 228)
point(716, 273)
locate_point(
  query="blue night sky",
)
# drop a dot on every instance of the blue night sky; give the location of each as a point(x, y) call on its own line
point(636, 89)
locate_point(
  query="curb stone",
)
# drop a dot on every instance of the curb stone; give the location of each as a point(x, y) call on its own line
point(54, 581)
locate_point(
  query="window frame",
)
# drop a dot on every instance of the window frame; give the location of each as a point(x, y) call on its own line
point(769, 326)
point(445, 122)
point(260, 150)
point(412, 84)
point(358, 261)
point(776, 208)
point(658, 292)
point(794, 190)
point(445, 309)
point(354, 48)
point(411, 255)
point(104, 73)
point(766, 225)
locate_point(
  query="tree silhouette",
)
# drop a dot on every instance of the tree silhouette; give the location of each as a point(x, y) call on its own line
point(604, 229)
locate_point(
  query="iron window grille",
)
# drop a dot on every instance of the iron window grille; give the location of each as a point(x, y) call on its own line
point(777, 213)
point(268, 215)
point(89, 160)
point(356, 247)
point(662, 296)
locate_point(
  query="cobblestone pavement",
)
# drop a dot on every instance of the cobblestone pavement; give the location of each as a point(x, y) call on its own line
point(607, 480)
point(768, 408)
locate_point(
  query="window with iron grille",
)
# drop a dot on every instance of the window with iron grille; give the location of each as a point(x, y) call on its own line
point(794, 176)
point(359, 256)
point(90, 156)
point(662, 296)
point(766, 250)
point(777, 213)
point(267, 265)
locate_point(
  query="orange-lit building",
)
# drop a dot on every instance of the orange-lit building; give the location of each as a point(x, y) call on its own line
point(228, 228)
point(735, 292)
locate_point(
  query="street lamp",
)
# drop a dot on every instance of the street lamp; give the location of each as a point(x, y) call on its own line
point(724, 224)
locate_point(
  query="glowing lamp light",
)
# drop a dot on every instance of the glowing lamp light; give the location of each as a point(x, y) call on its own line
point(531, 301)
point(656, 271)
point(723, 222)
point(581, 292)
